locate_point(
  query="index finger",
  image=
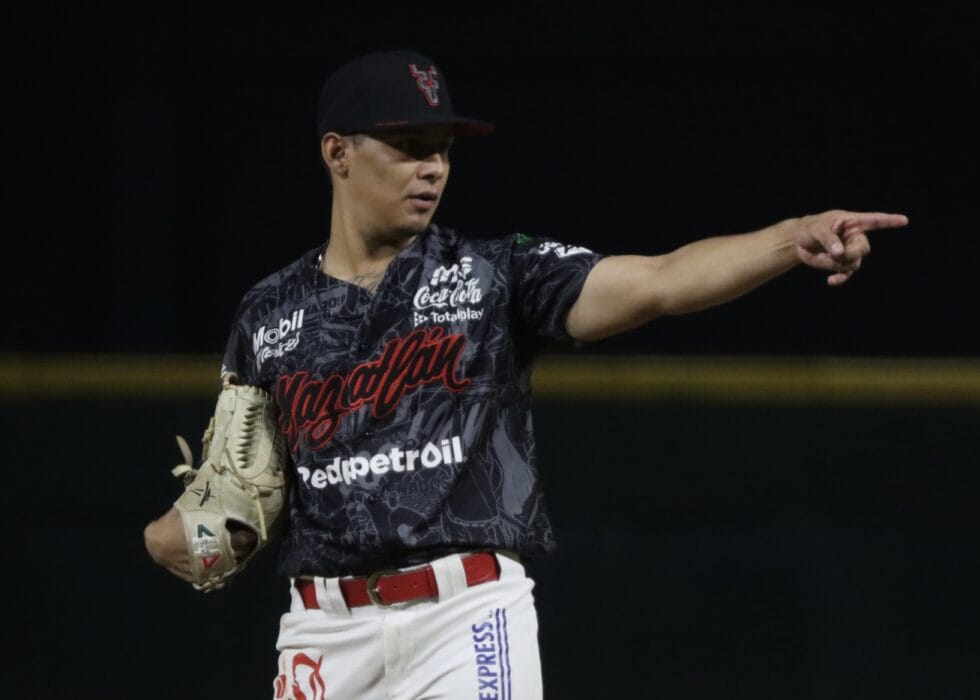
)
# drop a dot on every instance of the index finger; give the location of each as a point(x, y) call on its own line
point(870, 221)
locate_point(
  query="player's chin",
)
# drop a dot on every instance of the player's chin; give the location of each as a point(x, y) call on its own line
point(417, 223)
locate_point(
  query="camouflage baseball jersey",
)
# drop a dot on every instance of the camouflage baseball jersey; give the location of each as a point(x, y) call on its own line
point(408, 411)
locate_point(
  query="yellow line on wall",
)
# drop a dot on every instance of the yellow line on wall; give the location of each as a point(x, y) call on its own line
point(765, 380)
point(108, 376)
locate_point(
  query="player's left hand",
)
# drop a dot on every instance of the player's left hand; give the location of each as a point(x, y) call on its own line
point(836, 241)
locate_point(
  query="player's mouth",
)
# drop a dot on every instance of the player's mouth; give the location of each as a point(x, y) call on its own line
point(424, 200)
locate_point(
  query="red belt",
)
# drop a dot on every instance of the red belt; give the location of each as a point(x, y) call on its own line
point(389, 587)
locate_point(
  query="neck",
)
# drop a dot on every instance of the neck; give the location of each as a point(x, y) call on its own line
point(358, 256)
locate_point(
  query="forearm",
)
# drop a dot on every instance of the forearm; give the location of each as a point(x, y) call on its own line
point(716, 270)
point(624, 292)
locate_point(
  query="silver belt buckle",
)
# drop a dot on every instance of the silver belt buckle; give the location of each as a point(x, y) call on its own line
point(372, 587)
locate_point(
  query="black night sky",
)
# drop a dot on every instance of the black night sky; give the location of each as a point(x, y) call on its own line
point(157, 163)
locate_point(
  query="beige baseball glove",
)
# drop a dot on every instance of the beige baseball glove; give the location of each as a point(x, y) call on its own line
point(241, 482)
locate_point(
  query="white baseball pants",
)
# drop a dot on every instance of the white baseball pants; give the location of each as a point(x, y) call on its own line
point(478, 642)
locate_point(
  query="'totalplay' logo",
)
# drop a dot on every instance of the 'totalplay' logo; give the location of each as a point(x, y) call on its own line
point(449, 294)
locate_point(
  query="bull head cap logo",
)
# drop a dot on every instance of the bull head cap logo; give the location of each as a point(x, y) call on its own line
point(426, 80)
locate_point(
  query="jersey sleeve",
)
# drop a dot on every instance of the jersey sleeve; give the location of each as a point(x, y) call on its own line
point(547, 277)
point(239, 357)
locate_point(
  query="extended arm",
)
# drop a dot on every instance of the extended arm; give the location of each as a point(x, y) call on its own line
point(627, 291)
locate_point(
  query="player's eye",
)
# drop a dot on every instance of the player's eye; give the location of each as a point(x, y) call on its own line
point(423, 148)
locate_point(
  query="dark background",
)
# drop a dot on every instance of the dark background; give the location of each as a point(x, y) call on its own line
point(708, 552)
point(160, 159)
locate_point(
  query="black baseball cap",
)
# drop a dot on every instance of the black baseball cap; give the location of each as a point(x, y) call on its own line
point(390, 89)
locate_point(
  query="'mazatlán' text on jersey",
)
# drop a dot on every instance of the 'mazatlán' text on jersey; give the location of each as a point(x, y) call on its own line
point(407, 411)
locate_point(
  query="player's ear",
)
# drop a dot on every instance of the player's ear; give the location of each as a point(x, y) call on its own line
point(333, 149)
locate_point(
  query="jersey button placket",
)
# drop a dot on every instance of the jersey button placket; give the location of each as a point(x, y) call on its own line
point(363, 334)
point(359, 346)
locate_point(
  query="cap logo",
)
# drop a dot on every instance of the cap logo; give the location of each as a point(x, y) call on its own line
point(426, 80)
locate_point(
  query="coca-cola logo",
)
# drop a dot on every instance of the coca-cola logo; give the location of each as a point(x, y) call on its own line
point(450, 286)
point(463, 292)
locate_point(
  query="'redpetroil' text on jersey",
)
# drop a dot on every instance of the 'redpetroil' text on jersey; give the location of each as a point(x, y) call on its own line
point(446, 452)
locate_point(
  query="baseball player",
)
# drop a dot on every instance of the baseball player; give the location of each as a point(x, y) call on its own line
point(396, 358)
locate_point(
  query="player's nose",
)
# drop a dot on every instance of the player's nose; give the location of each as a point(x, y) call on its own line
point(434, 166)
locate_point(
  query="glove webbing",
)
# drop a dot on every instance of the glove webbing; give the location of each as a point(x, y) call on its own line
point(187, 472)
